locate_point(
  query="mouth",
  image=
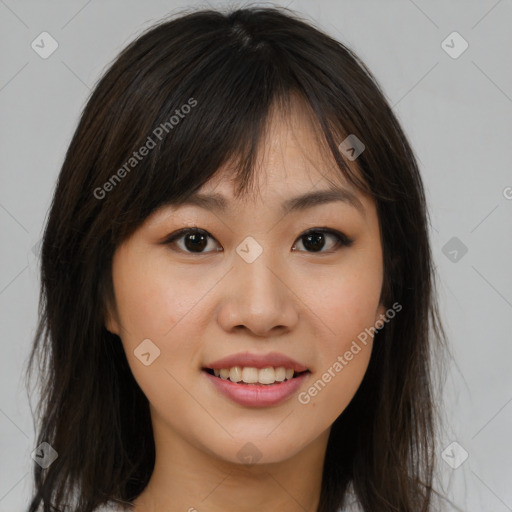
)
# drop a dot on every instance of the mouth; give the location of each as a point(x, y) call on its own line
point(256, 387)
point(250, 376)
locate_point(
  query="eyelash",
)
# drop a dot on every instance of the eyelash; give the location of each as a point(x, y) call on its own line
point(341, 239)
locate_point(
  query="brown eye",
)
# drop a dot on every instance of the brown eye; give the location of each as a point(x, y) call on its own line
point(314, 240)
point(192, 240)
point(195, 241)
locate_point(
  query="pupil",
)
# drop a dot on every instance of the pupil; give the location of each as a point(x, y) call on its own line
point(316, 239)
point(198, 241)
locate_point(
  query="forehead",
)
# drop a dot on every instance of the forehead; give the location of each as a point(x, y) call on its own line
point(293, 170)
point(292, 157)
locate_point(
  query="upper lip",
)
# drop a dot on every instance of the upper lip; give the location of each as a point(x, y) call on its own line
point(259, 361)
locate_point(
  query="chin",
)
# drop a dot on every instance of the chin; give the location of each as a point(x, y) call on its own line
point(256, 450)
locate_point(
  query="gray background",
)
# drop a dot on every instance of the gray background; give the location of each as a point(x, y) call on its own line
point(456, 111)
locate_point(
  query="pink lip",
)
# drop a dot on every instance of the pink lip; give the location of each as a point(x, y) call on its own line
point(247, 359)
point(257, 395)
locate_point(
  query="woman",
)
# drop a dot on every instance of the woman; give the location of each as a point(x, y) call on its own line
point(238, 307)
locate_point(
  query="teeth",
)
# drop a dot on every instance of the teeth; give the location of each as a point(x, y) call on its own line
point(251, 375)
point(280, 373)
point(235, 374)
point(267, 376)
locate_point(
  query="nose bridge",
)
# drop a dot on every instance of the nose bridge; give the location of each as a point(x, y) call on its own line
point(257, 268)
point(257, 295)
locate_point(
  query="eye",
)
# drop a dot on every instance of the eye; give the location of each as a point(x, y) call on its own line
point(314, 239)
point(195, 240)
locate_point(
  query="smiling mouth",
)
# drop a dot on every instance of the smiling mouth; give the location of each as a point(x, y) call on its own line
point(253, 376)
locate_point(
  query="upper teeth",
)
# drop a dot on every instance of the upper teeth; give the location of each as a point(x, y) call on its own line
point(251, 375)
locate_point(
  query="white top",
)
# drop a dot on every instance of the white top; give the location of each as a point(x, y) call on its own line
point(352, 506)
point(112, 507)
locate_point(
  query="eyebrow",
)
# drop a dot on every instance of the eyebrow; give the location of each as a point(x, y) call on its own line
point(217, 202)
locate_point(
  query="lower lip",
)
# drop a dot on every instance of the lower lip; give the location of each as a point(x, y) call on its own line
point(257, 395)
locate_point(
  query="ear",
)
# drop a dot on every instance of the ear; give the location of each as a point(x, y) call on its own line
point(111, 324)
point(111, 320)
point(380, 314)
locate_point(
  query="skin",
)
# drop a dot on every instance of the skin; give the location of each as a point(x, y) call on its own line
point(197, 308)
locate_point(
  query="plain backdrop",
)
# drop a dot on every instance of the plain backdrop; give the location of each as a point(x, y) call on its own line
point(456, 109)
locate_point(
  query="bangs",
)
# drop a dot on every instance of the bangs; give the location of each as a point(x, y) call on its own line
point(208, 110)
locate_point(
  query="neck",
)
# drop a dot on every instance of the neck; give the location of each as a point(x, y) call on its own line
point(189, 478)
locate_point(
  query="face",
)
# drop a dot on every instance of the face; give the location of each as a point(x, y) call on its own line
point(302, 282)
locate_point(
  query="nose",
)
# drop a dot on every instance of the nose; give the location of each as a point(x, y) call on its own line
point(258, 297)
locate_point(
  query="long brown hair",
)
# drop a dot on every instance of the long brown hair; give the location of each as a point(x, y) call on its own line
point(229, 69)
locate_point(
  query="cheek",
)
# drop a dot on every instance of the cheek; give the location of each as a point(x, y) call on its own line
point(155, 304)
point(344, 348)
point(346, 305)
point(151, 301)
point(346, 302)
